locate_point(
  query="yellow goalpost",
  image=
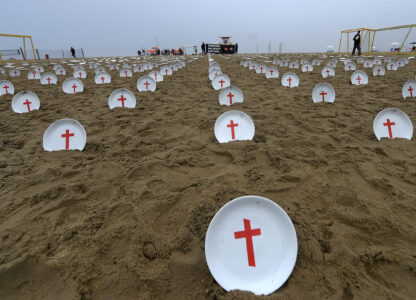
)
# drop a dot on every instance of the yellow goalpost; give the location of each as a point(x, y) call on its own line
point(368, 37)
point(24, 37)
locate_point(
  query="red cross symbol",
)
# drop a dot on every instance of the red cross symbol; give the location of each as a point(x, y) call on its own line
point(74, 87)
point(261, 69)
point(67, 135)
point(49, 80)
point(80, 74)
point(102, 78)
point(323, 95)
point(349, 67)
point(140, 68)
point(389, 124)
point(358, 79)
point(221, 82)
point(248, 234)
point(125, 72)
point(230, 95)
point(254, 67)
point(172, 68)
point(293, 65)
point(166, 71)
point(61, 71)
point(39, 70)
point(147, 84)
point(290, 80)
point(155, 74)
point(271, 72)
point(327, 72)
point(410, 89)
point(232, 125)
point(15, 72)
point(391, 66)
point(27, 102)
point(307, 68)
point(148, 66)
point(6, 87)
point(122, 99)
point(34, 74)
point(378, 71)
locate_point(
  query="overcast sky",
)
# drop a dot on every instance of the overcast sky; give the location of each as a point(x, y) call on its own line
point(114, 28)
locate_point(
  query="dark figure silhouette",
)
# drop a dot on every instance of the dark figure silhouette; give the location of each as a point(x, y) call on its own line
point(203, 48)
point(72, 51)
point(357, 43)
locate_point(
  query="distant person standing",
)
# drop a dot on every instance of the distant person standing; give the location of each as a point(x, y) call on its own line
point(203, 48)
point(236, 47)
point(72, 51)
point(357, 43)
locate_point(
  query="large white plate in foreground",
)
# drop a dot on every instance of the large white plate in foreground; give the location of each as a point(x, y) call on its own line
point(234, 125)
point(261, 263)
point(64, 134)
point(392, 123)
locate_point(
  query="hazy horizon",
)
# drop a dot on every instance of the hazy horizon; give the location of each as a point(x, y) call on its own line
point(107, 28)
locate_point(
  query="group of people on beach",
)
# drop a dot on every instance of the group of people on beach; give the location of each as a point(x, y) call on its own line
point(160, 52)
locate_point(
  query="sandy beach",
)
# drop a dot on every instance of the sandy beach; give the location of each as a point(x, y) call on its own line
point(126, 218)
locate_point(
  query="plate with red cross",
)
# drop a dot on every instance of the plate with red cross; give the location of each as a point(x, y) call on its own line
point(80, 73)
point(146, 84)
point(290, 79)
point(166, 71)
point(24, 102)
point(379, 70)
point(409, 89)
point(213, 73)
point(307, 68)
point(323, 92)
point(48, 78)
point(124, 72)
point(220, 81)
point(230, 95)
point(272, 72)
point(14, 73)
point(33, 74)
point(64, 134)
point(328, 71)
point(6, 87)
point(251, 245)
point(392, 123)
point(234, 125)
point(359, 77)
point(122, 98)
point(156, 75)
point(72, 86)
point(102, 78)
point(261, 69)
point(350, 66)
point(60, 71)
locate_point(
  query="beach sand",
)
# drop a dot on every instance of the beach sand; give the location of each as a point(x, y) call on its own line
point(126, 218)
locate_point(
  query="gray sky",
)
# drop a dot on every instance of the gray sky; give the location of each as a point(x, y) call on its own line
point(107, 28)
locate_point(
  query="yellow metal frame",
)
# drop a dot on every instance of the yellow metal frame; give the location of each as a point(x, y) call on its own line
point(373, 32)
point(24, 43)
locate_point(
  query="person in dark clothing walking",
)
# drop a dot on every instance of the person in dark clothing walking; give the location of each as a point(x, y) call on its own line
point(72, 51)
point(203, 48)
point(236, 47)
point(357, 43)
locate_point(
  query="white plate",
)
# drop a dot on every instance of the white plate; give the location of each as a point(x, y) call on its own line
point(6, 87)
point(24, 102)
point(48, 78)
point(379, 70)
point(409, 89)
point(290, 79)
point(274, 246)
point(220, 81)
point(359, 77)
point(272, 72)
point(328, 71)
point(156, 76)
point(122, 98)
point(64, 134)
point(307, 68)
point(146, 83)
point(213, 73)
point(392, 123)
point(234, 125)
point(80, 74)
point(166, 70)
point(102, 78)
point(124, 72)
point(72, 85)
point(323, 92)
point(230, 95)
